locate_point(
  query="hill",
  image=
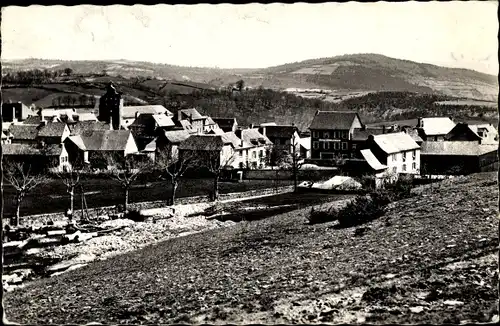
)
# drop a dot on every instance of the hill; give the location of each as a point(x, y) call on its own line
point(356, 72)
point(431, 258)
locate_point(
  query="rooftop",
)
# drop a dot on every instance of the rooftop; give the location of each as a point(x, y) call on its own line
point(372, 160)
point(436, 125)
point(130, 111)
point(202, 143)
point(459, 148)
point(333, 120)
point(395, 142)
point(278, 131)
point(30, 150)
point(176, 136)
point(103, 140)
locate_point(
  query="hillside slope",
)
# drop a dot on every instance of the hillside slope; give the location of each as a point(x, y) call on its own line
point(431, 259)
point(356, 72)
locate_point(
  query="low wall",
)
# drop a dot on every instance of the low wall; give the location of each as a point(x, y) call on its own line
point(313, 175)
point(42, 219)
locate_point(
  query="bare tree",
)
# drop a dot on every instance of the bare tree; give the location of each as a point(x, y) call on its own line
point(175, 165)
point(125, 170)
point(71, 178)
point(23, 179)
point(216, 161)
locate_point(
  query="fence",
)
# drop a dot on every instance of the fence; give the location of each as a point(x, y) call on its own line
point(302, 175)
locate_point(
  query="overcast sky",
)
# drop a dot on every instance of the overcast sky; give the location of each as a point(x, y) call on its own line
point(454, 34)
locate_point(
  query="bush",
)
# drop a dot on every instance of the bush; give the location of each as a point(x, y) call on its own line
point(364, 208)
point(135, 215)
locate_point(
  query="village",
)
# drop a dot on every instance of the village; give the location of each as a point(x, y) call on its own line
point(59, 140)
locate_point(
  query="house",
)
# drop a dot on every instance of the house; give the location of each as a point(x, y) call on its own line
point(89, 147)
point(283, 137)
point(170, 140)
point(360, 137)
point(53, 132)
point(331, 134)
point(197, 122)
point(52, 157)
point(210, 125)
point(12, 112)
point(458, 157)
point(252, 149)
point(147, 126)
point(130, 113)
point(211, 147)
point(398, 151)
point(479, 133)
point(226, 124)
point(434, 128)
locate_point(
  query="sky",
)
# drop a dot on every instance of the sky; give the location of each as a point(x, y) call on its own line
point(453, 34)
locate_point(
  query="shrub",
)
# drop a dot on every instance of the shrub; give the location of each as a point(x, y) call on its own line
point(364, 208)
point(135, 215)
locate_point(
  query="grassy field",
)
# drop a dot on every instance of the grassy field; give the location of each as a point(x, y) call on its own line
point(431, 258)
point(52, 197)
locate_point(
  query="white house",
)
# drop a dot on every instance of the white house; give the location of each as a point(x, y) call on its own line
point(398, 152)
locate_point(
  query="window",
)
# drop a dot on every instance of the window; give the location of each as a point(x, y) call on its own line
point(414, 154)
point(261, 153)
point(254, 154)
point(404, 167)
point(394, 169)
point(404, 156)
point(315, 134)
point(335, 134)
point(324, 144)
point(344, 134)
point(337, 146)
point(394, 157)
point(241, 153)
point(414, 166)
point(353, 146)
point(344, 146)
point(315, 144)
point(326, 135)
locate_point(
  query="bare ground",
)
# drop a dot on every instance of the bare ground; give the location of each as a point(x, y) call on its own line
point(431, 259)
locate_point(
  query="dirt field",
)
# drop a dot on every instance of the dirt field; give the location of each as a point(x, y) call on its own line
point(52, 197)
point(430, 259)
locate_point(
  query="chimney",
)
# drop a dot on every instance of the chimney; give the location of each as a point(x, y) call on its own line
point(420, 123)
point(383, 129)
point(251, 126)
point(264, 130)
point(136, 114)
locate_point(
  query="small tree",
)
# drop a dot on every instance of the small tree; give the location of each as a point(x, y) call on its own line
point(240, 84)
point(216, 161)
point(174, 165)
point(23, 179)
point(71, 178)
point(125, 170)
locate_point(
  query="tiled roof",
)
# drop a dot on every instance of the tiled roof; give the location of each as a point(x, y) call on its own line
point(33, 120)
point(24, 132)
point(279, 131)
point(30, 150)
point(163, 121)
point(231, 138)
point(395, 142)
point(86, 127)
point(216, 131)
point(436, 126)
point(105, 140)
point(252, 137)
point(460, 148)
point(177, 136)
point(372, 160)
point(363, 134)
point(225, 124)
point(333, 120)
point(193, 113)
point(129, 112)
point(52, 129)
point(202, 143)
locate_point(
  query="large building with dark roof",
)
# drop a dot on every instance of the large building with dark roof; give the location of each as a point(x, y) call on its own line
point(332, 134)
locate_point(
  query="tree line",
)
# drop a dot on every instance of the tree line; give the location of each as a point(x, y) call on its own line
point(35, 76)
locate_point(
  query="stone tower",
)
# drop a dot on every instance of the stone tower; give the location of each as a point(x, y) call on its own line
point(110, 107)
